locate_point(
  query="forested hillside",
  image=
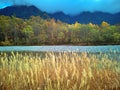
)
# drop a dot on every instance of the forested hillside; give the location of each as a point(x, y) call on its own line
point(37, 31)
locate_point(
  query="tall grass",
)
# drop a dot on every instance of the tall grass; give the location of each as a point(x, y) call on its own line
point(61, 71)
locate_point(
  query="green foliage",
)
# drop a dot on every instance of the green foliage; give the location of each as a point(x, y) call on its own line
point(116, 37)
point(28, 30)
point(37, 31)
point(8, 43)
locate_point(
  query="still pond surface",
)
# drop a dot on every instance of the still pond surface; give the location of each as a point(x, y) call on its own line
point(91, 49)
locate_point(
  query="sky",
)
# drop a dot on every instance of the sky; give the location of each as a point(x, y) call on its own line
point(68, 6)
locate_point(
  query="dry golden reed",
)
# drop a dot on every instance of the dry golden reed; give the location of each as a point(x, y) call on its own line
point(61, 71)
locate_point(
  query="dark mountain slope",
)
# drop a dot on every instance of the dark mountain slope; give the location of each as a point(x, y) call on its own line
point(84, 17)
point(23, 11)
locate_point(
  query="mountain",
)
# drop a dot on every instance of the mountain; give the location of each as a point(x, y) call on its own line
point(87, 17)
point(84, 17)
point(23, 11)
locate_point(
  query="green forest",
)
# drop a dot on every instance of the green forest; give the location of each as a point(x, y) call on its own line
point(39, 31)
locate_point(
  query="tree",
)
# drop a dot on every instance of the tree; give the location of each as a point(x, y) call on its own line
point(17, 25)
point(105, 24)
point(76, 24)
point(28, 32)
point(37, 31)
point(91, 25)
point(116, 38)
point(5, 26)
point(37, 24)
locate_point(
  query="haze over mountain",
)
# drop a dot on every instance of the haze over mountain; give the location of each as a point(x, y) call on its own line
point(72, 7)
point(23, 11)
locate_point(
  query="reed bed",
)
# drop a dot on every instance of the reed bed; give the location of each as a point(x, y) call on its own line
point(61, 71)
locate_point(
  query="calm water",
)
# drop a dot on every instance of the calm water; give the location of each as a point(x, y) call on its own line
point(113, 51)
point(92, 49)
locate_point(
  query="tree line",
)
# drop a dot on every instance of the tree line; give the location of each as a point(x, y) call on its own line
point(39, 31)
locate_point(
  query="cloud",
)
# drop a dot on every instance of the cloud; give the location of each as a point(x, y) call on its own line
point(70, 6)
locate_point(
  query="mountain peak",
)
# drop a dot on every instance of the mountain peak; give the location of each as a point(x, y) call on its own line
point(23, 11)
point(18, 7)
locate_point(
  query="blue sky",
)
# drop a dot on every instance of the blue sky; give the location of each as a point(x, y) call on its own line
point(68, 6)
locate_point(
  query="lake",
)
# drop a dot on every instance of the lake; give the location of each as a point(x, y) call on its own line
point(92, 49)
point(113, 51)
